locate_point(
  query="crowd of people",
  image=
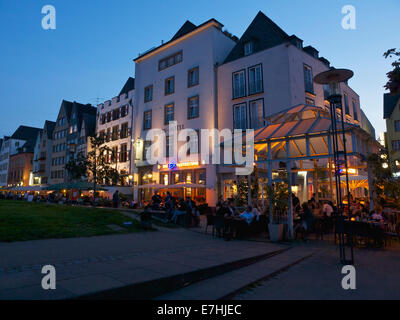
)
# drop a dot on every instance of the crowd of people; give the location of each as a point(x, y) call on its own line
point(176, 208)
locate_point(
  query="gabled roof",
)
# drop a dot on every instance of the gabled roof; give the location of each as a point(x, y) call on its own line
point(179, 34)
point(49, 125)
point(129, 86)
point(26, 133)
point(263, 32)
point(185, 29)
point(389, 103)
point(81, 110)
point(90, 124)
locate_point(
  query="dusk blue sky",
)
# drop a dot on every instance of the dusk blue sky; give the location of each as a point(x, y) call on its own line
point(89, 55)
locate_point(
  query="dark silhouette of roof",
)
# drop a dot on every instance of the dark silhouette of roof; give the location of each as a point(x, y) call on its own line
point(49, 125)
point(185, 29)
point(90, 124)
point(263, 32)
point(389, 103)
point(26, 133)
point(129, 86)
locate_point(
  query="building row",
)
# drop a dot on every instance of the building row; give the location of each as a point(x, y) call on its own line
point(202, 78)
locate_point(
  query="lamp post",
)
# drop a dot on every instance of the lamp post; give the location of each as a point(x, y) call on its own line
point(332, 78)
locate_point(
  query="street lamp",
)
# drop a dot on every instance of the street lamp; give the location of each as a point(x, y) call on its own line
point(333, 78)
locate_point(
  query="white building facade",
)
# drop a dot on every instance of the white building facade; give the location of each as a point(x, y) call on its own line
point(115, 124)
point(177, 82)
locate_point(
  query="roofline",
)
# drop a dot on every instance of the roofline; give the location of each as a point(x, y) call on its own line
point(211, 22)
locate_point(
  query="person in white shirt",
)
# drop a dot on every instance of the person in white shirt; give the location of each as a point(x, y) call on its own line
point(247, 215)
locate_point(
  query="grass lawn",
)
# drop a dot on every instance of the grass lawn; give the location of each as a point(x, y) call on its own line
point(21, 221)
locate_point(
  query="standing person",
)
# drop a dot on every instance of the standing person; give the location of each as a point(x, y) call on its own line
point(308, 219)
point(229, 220)
point(219, 218)
point(116, 199)
point(296, 203)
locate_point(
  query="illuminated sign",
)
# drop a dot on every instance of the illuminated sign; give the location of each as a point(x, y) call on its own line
point(173, 165)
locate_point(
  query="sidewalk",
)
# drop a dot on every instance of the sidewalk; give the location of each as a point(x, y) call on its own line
point(377, 277)
point(87, 265)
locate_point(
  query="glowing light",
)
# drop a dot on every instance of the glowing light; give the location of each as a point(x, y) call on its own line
point(180, 165)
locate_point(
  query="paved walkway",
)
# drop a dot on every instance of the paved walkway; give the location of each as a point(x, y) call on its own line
point(86, 265)
point(377, 277)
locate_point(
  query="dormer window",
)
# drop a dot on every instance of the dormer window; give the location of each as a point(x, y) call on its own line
point(248, 48)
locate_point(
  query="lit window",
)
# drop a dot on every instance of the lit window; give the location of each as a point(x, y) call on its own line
point(168, 113)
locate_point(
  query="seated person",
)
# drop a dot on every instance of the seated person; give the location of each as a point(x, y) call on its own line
point(378, 214)
point(156, 201)
point(180, 210)
point(247, 215)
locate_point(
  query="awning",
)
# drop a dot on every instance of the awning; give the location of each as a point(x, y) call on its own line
point(83, 185)
point(24, 188)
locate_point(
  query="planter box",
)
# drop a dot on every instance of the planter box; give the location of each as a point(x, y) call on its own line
point(275, 232)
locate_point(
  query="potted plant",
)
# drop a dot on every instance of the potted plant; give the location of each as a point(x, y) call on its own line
point(278, 196)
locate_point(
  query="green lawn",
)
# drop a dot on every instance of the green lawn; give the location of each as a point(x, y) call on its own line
point(20, 221)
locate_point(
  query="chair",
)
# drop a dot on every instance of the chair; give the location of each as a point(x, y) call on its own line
point(210, 222)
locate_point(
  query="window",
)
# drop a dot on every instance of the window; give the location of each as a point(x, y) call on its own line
point(124, 111)
point(248, 48)
point(193, 107)
point(168, 113)
point(102, 134)
point(396, 145)
point(256, 113)
point(124, 153)
point(193, 77)
point(308, 79)
point(146, 146)
point(255, 80)
point(169, 85)
point(240, 116)
point(103, 118)
point(397, 125)
point(346, 104)
point(109, 116)
point(164, 178)
point(167, 146)
point(239, 84)
point(124, 130)
point(147, 120)
point(115, 133)
point(114, 155)
point(148, 93)
point(309, 101)
point(108, 137)
point(116, 114)
point(355, 110)
point(170, 61)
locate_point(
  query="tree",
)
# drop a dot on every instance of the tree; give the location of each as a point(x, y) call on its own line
point(98, 163)
point(77, 168)
point(393, 84)
point(385, 186)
